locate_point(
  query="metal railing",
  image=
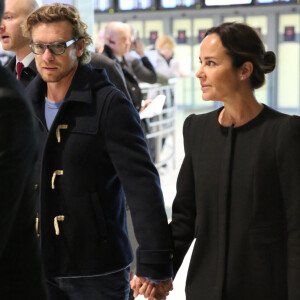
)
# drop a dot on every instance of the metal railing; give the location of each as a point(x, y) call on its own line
point(162, 126)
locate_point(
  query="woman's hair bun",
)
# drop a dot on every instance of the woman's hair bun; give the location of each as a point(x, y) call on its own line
point(269, 62)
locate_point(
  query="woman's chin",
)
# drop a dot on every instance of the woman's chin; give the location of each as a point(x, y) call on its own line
point(206, 99)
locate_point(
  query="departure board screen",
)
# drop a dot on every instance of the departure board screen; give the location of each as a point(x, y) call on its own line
point(137, 5)
point(55, 1)
point(104, 5)
point(227, 2)
point(179, 3)
point(275, 1)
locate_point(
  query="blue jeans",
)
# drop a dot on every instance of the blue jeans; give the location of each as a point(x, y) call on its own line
point(106, 287)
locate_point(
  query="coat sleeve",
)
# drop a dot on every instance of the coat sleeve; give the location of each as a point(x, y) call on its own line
point(184, 208)
point(116, 76)
point(129, 154)
point(21, 273)
point(144, 70)
point(288, 158)
point(16, 158)
point(113, 69)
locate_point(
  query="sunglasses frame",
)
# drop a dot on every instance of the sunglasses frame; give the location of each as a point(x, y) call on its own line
point(48, 46)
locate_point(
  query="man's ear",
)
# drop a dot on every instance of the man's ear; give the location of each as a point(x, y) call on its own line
point(107, 38)
point(80, 46)
point(246, 70)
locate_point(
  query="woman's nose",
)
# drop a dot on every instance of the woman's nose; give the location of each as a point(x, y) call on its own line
point(199, 72)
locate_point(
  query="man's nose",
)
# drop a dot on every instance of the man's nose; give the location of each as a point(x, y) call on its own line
point(48, 55)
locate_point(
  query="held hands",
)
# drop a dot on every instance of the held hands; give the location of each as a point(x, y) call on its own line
point(151, 290)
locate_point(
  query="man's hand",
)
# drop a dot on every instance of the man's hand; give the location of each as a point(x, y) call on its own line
point(139, 47)
point(147, 102)
point(151, 290)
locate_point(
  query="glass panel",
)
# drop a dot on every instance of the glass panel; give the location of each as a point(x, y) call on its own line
point(289, 63)
point(138, 25)
point(261, 25)
point(234, 19)
point(153, 29)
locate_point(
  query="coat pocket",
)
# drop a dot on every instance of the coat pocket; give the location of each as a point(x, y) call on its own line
point(84, 219)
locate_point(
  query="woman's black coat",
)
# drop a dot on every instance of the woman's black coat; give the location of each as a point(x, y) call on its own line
point(238, 194)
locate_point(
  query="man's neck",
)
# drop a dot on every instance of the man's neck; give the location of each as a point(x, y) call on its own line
point(27, 59)
point(56, 91)
point(22, 53)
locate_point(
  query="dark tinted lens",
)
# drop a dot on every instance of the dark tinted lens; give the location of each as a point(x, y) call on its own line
point(57, 48)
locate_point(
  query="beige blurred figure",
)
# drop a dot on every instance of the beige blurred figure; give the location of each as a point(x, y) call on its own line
point(165, 63)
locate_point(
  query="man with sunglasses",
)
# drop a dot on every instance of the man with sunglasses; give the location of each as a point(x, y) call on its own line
point(23, 64)
point(92, 150)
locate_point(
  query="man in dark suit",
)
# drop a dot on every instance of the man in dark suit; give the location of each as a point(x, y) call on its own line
point(136, 60)
point(20, 265)
point(92, 150)
point(117, 43)
point(12, 39)
point(11, 35)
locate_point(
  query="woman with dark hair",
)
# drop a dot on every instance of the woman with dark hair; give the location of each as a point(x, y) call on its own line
point(238, 190)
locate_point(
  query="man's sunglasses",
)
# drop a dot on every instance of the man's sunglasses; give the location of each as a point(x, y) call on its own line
point(55, 48)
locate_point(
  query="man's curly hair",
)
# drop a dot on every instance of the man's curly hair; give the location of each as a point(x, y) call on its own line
point(57, 12)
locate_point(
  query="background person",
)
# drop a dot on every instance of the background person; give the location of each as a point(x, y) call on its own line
point(136, 60)
point(22, 63)
point(117, 44)
point(162, 59)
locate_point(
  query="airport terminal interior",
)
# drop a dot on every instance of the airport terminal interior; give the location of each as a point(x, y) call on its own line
point(186, 21)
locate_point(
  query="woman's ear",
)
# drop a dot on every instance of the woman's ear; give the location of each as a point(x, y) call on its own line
point(246, 70)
